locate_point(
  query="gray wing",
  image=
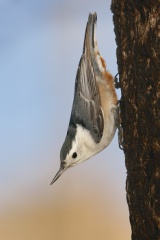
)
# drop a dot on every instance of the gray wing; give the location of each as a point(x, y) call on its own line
point(86, 109)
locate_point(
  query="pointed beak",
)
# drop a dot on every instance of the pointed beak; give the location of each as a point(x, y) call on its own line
point(59, 173)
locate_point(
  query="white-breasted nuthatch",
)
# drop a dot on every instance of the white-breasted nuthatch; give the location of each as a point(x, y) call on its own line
point(93, 118)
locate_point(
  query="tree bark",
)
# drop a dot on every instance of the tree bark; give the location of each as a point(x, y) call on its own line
point(137, 29)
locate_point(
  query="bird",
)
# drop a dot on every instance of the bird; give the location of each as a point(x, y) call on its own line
point(92, 124)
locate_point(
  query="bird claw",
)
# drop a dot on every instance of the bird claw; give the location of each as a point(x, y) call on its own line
point(119, 126)
point(117, 83)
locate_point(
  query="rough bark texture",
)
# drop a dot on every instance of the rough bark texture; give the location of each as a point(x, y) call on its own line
point(137, 29)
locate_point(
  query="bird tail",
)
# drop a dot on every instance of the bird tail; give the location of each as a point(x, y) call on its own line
point(90, 34)
point(90, 47)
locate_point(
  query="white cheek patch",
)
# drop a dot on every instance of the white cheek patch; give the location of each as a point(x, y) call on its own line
point(84, 146)
point(84, 138)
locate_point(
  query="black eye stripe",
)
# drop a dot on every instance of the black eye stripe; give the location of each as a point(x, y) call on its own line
point(74, 155)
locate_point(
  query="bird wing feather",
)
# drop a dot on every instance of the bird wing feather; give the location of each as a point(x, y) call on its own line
point(86, 109)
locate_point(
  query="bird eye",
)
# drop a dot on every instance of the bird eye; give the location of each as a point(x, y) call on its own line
point(74, 155)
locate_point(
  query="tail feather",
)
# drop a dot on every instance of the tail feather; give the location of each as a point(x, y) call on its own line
point(90, 47)
point(90, 34)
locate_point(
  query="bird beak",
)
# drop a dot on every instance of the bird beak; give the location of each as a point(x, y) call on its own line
point(59, 173)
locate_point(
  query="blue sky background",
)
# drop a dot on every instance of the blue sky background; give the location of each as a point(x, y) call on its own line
point(40, 46)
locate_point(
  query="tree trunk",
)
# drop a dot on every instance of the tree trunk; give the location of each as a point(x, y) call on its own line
point(138, 51)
